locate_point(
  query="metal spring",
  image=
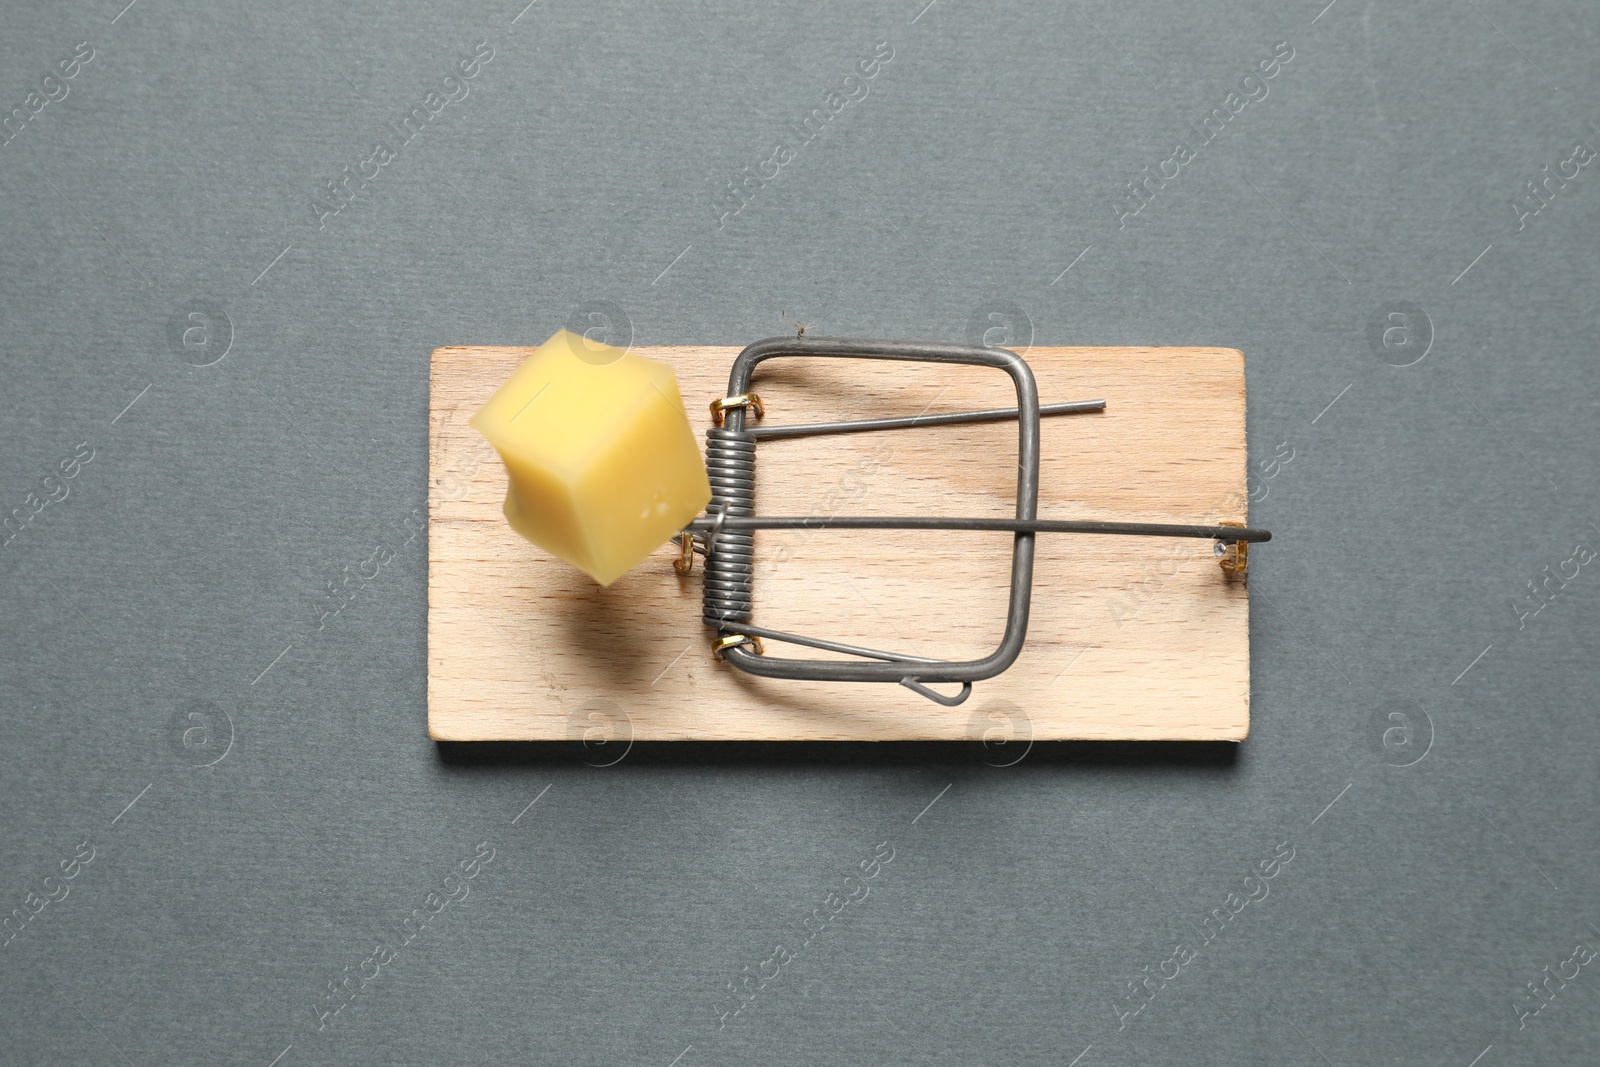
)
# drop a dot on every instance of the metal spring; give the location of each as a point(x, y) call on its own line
point(730, 554)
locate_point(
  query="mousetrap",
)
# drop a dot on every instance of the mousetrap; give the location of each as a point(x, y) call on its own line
point(1009, 593)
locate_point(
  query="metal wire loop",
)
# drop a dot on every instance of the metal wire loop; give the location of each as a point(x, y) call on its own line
point(685, 561)
point(720, 648)
point(721, 406)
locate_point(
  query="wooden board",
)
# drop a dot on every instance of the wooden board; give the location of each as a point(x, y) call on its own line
point(1130, 638)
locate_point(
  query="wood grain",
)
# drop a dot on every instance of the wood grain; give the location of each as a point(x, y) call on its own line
point(1130, 638)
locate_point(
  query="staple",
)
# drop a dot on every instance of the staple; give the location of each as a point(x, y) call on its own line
point(725, 534)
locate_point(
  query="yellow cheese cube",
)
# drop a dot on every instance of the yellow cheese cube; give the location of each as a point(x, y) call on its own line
point(603, 467)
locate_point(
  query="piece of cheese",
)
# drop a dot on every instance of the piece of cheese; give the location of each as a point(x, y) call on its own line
point(602, 465)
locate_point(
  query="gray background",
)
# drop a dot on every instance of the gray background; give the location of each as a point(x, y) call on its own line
point(160, 630)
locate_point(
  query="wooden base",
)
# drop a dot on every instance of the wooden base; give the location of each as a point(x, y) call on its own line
point(1130, 638)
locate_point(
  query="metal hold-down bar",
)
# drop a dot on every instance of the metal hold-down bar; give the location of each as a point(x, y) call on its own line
point(934, 522)
point(815, 429)
point(725, 534)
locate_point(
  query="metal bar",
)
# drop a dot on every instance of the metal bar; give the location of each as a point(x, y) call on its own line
point(933, 522)
point(814, 429)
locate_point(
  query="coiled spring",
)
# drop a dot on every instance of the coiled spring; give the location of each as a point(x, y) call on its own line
point(730, 554)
